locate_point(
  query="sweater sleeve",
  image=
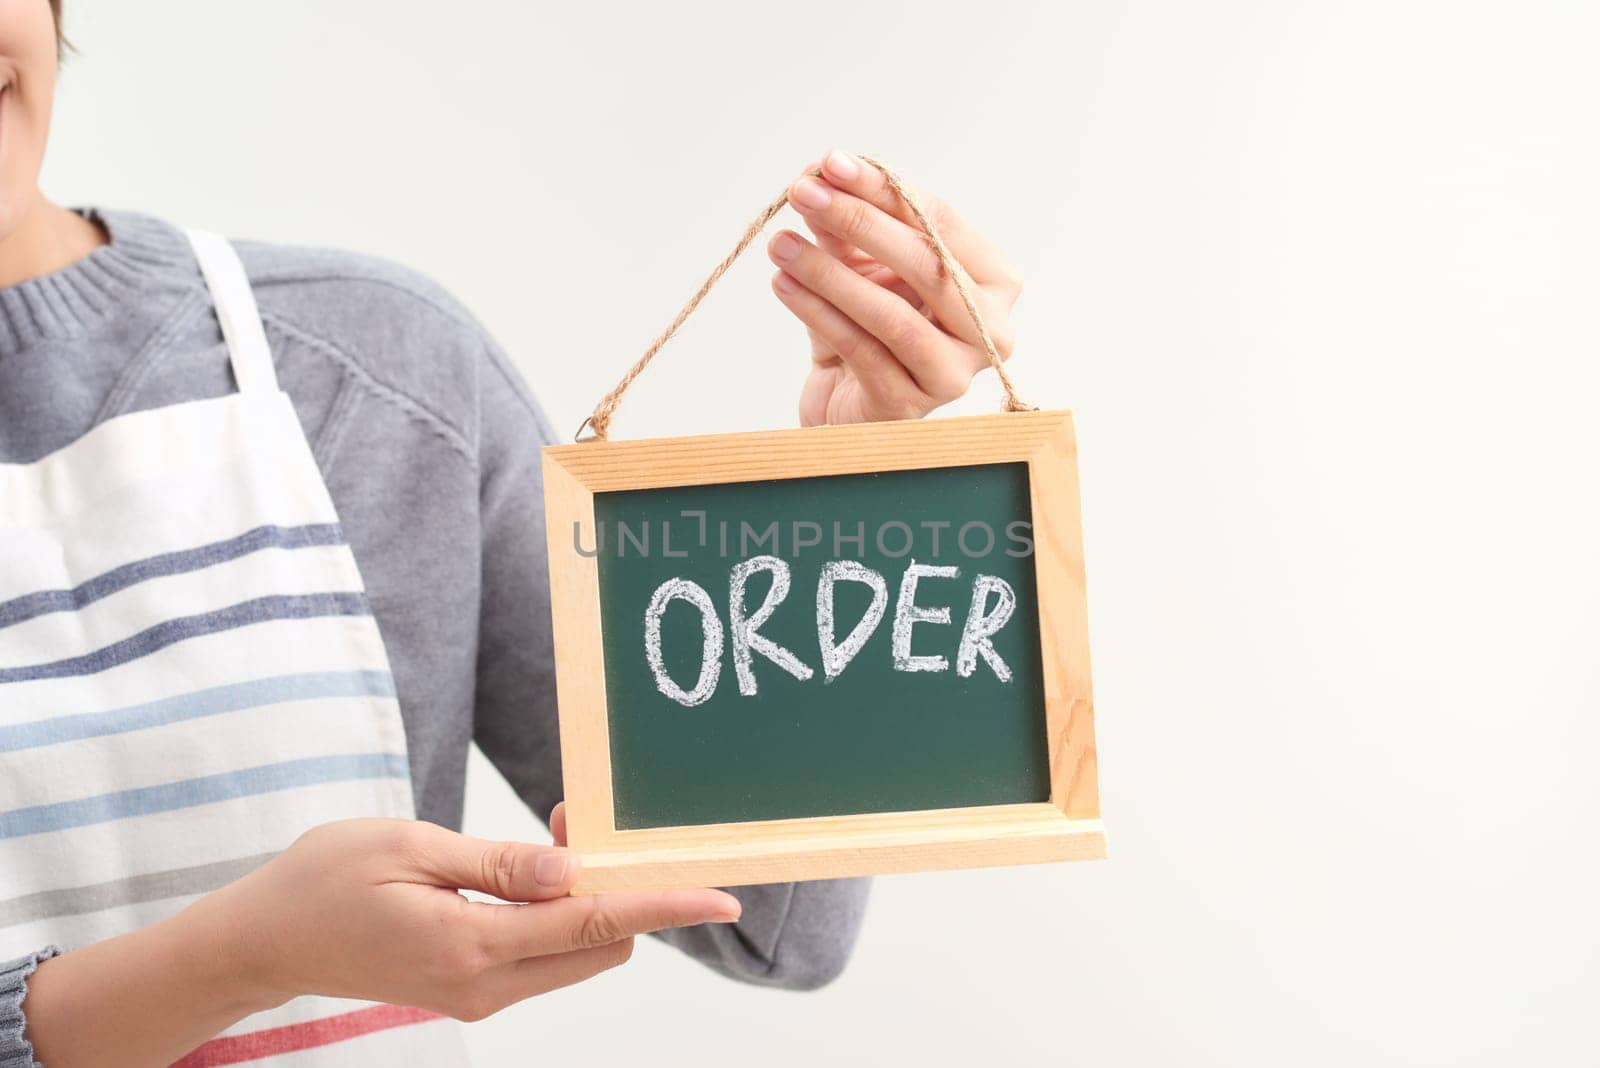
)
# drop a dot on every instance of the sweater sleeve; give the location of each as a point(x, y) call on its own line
point(15, 1049)
point(796, 935)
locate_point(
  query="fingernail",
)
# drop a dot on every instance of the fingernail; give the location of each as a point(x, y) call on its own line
point(785, 247)
point(812, 194)
point(550, 869)
point(841, 165)
point(786, 283)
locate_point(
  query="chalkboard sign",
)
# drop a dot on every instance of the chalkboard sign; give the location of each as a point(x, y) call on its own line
point(822, 652)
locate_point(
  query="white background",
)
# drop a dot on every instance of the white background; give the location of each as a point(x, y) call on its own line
point(1319, 280)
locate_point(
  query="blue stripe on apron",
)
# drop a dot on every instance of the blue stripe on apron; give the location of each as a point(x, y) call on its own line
point(281, 606)
point(205, 790)
point(44, 602)
point(215, 700)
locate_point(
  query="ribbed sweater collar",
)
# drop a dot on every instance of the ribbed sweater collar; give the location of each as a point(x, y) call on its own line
point(67, 302)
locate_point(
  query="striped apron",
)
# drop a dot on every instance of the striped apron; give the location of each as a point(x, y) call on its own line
point(190, 677)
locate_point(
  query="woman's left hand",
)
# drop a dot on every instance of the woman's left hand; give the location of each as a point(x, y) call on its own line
point(890, 336)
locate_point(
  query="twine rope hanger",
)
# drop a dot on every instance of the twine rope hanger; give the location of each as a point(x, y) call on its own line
point(599, 421)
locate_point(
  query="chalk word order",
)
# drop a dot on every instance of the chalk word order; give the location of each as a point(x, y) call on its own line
point(983, 622)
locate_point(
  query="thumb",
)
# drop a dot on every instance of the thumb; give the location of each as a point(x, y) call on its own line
point(511, 871)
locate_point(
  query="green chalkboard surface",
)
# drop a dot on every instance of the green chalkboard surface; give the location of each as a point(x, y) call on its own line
point(949, 714)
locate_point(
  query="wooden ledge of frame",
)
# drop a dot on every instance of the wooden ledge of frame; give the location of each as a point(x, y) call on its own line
point(836, 847)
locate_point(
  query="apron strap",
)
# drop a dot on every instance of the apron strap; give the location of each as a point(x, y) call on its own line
point(236, 311)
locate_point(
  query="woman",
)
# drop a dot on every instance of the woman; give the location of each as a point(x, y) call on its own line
point(230, 756)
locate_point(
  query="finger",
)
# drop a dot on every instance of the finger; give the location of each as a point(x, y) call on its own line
point(940, 365)
point(558, 823)
point(837, 247)
point(980, 256)
point(856, 259)
point(511, 871)
point(528, 978)
point(507, 984)
point(883, 378)
point(515, 932)
point(905, 250)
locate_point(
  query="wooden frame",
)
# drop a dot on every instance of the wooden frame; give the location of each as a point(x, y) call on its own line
point(1067, 827)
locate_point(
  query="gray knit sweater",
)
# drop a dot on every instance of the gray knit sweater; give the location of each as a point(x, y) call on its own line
point(429, 442)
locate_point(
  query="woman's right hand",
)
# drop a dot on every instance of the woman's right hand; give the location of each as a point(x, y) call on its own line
point(368, 908)
point(364, 908)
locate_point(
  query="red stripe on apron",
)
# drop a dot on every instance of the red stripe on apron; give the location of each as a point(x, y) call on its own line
point(236, 1049)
